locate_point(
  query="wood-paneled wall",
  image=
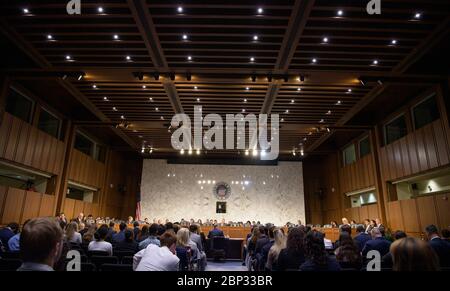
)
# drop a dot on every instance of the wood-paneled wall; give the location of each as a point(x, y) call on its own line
point(360, 213)
point(73, 207)
point(24, 144)
point(18, 205)
point(419, 151)
point(85, 170)
point(358, 175)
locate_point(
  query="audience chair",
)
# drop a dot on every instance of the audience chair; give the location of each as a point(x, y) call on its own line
point(127, 260)
point(218, 247)
point(88, 267)
point(10, 264)
point(97, 253)
point(11, 255)
point(99, 260)
point(117, 267)
point(121, 254)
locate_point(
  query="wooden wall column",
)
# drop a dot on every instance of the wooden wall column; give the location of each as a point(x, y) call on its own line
point(379, 183)
point(62, 181)
point(4, 85)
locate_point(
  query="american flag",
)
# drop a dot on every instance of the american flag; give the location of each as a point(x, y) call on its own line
point(138, 204)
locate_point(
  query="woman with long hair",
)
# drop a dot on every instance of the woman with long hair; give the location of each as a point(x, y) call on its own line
point(317, 258)
point(143, 233)
point(274, 252)
point(72, 234)
point(293, 255)
point(347, 254)
point(186, 249)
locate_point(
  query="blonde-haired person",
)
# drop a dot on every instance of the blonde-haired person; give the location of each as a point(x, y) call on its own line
point(72, 235)
point(274, 252)
point(185, 246)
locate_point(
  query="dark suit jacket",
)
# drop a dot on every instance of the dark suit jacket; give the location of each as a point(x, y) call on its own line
point(260, 243)
point(379, 244)
point(332, 265)
point(442, 249)
point(361, 240)
point(127, 247)
point(290, 259)
point(215, 232)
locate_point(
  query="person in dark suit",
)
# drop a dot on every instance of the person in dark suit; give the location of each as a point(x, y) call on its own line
point(317, 258)
point(135, 229)
point(262, 240)
point(8, 232)
point(362, 237)
point(378, 243)
point(386, 260)
point(440, 246)
point(129, 244)
point(120, 236)
point(215, 232)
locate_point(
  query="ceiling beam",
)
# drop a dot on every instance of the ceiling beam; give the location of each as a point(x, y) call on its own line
point(297, 23)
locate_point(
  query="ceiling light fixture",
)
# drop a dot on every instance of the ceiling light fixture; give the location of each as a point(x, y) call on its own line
point(340, 13)
point(260, 10)
point(185, 37)
point(100, 9)
point(325, 39)
point(180, 9)
point(255, 37)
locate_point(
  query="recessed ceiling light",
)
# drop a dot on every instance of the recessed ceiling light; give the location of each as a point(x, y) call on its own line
point(94, 86)
point(260, 10)
point(156, 109)
point(180, 9)
point(26, 11)
point(287, 111)
point(100, 9)
point(321, 121)
point(114, 109)
point(418, 15)
point(105, 98)
point(339, 102)
point(198, 99)
point(255, 37)
point(243, 110)
point(314, 61)
point(340, 13)
point(394, 41)
point(252, 59)
point(151, 99)
point(122, 117)
point(128, 58)
point(299, 89)
point(195, 87)
point(325, 39)
point(144, 87)
point(115, 36)
point(349, 91)
point(68, 57)
point(245, 100)
point(247, 88)
point(375, 62)
point(49, 36)
point(185, 36)
point(197, 152)
point(328, 112)
point(189, 58)
point(162, 117)
point(292, 101)
point(182, 151)
point(282, 120)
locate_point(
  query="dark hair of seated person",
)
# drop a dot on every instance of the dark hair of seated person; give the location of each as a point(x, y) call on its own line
point(169, 225)
point(315, 248)
point(445, 233)
point(14, 226)
point(153, 229)
point(295, 239)
point(193, 228)
point(129, 236)
point(399, 234)
point(413, 254)
point(167, 239)
point(122, 226)
point(39, 239)
point(348, 254)
point(101, 232)
point(176, 228)
point(136, 224)
point(111, 224)
point(360, 228)
point(346, 228)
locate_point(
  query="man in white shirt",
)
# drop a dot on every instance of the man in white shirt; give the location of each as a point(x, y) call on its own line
point(154, 258)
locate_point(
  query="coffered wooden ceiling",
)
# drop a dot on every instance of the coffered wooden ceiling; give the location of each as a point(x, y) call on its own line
point(302, 59)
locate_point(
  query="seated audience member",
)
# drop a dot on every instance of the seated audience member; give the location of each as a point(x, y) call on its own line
point(146, 221)
point(262, 240)
point(83, 228)
point(152, 238)
point(186, 249)
point(353, 223)
point(251, 246)
point(120, 236)
point(142, 234)
point(215, 231)
point(386, 260)
point(293, 255)
point(333, 224)
point(373, 223)
point(197, 239)
point(111, 231)
point(362, 237)
point(440, 246)
point(89, 235)
point(62, 218)
point(129, 244)
point(41, 244)
point(345, 222)
point(136, 229)
point(72, 235)
point(130, 220)
point(446, 234)
point(99, 244)
point(155, 258)
point(80, 218)
point(348, 254)
point(378, 223)
point(274, 252)
point(317, 258)
point(345, 228)
point(378, 243)
point(413, 254)
point(8, 232)
point(169, 227)
point(14, 242)
point(266, 248)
